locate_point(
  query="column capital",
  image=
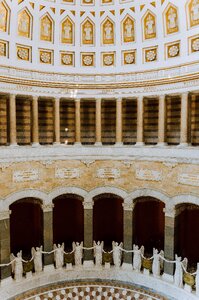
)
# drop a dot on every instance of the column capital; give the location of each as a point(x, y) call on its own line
point(119, 99)
point(185, 94)
point(5, 214)
point(56, 99)
point(169, 211)
point(88, 205)
point(98, 99)
point(47, 207)
point(77, 99)
point(140, 98)
point(12, 96)
point(162, 97)
point(128, 206)
point(35, 98)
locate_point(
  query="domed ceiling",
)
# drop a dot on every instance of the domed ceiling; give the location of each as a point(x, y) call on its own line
point(98, 36)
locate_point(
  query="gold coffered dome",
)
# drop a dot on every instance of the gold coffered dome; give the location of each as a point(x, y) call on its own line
point(98, 36)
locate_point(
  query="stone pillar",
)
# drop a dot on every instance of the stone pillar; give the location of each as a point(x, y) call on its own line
point(98, 122)
point(185, 122)
point(5, 243)
point(56, 121)
point(12, 119)
point(88, 229)
point(48, 233)
point(77, 123)
point(162, 119)
point(169, 241)
point(140, 121)
point(119, 121)
point(128, 231)
point(35, 122)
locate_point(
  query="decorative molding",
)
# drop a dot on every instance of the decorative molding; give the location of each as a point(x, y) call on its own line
point(109, 173)
point(46, 162)
point(25, 175)
point(147, 174)
point(88, 162)
point(65, 173)
point(189, 179)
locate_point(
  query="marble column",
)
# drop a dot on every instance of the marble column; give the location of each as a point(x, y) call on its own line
point(128, 231)
point(56, 121)
point(48, 233)
point(5, 243)
point(140, 121)
point(77, 122)
point(12, 120)
point(169, 241)
point(185, 122)
point(98, 122)
point(88, 229)
point(35, 122)
point(119, 121)
point(162, 119)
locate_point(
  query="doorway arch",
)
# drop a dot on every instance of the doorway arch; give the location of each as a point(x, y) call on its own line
point(108, 219)
point(68, 220)
point(26, 225)
point(148, 223)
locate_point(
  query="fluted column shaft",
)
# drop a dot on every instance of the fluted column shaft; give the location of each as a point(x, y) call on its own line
point(12, 120)
point(119, 121)
point(184, 124)
point(128, 231)
point(140, 121)
point(98, 122)
point(56, 121)
point(77, 122)
point(35, 121)
point(162, 116)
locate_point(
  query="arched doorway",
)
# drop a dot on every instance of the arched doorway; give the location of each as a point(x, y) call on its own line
point(68, 220)
point(26, 225)
point(108, 219)
point(148, 223)
point(186, 233)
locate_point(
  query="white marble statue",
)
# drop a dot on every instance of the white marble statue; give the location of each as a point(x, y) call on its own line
point(137, 257)
point(37, 258)
point(78, 250)
point(178, 275)
point(98, 249)
point(117, 253)
point(17, 265)
point(157, 261)
point(59, 255)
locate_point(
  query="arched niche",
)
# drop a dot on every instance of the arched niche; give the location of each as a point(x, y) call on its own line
point(108, 219)
point(26, 225)
point(148, 223)
point(186, 232)
point(68, 220)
